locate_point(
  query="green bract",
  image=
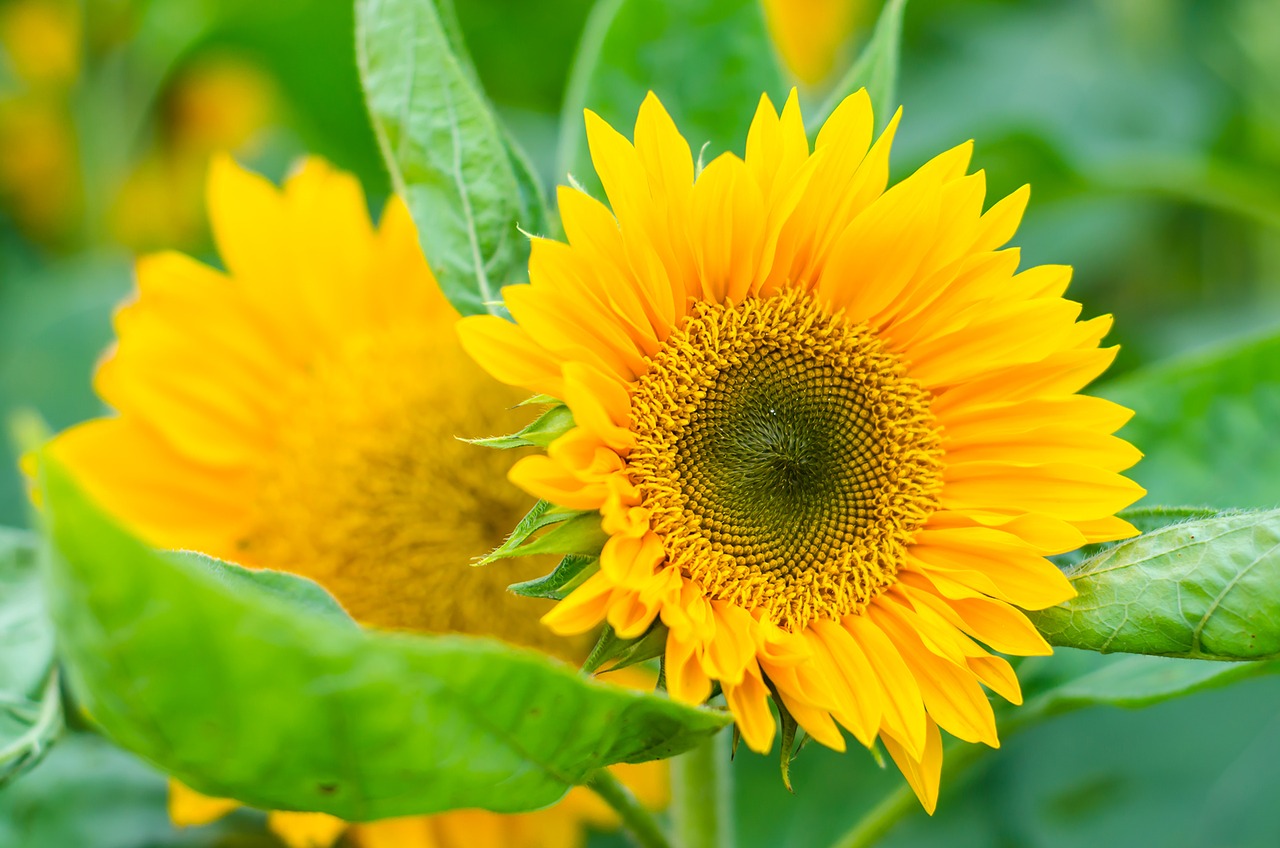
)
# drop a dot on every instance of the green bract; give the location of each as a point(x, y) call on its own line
point(250, 685)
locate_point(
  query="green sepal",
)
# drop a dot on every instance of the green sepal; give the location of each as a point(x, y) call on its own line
point(541, 514)
point(571, 571)
point(573, 533)
point(790, 729)
point(651, 645)
point(619, 653)
point(540, 433)
point(540, 400)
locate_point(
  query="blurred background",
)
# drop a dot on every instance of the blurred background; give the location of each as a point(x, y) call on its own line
point(1149, 130)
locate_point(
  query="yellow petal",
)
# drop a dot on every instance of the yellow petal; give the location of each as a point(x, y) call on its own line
point(583, 609)
point(546, 479)
point(904, 714)
point(923, 773)
point(1071, 492)
point(951, 694)
point(510, 355)
point(189, 808)
point(749, 702)
point(728, 225)
point(306, 830)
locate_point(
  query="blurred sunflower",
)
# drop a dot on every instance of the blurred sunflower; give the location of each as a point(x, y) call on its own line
point(831, 430)
point(40, 46)
point(219, 101)
point(299, 412)
point(811, 35)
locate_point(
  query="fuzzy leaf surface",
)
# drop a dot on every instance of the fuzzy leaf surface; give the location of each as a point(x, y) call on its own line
point(248, 692)
point(1205, 589)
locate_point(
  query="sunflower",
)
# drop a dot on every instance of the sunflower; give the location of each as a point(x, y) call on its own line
point(299, 411)
point(811, 35)
point(831, 430)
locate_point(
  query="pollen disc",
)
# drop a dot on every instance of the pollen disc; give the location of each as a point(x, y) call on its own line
point(785, 456)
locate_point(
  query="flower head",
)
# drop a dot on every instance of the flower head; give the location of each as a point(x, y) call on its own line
point(831, 430)
point(300, 411)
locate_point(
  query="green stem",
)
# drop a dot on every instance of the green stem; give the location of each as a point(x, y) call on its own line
point(702, 795)
point(640, 824)
point(902, 801)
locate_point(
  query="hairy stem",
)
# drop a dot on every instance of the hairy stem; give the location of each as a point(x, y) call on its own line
point(702, 795)
point(639, 823)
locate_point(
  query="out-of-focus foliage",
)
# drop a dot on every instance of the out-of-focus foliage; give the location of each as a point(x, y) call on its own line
point(1150, 132)
point(218, 704)
point(1207, 425)
point(30, 704)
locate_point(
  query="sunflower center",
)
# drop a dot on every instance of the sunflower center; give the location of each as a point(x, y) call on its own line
point(785, 456)
point(371, 494)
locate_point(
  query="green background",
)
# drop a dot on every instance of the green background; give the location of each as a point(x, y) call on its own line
point(1150, 132)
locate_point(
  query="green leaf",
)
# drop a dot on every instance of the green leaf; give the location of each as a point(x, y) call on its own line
point(1206, 589)
point(1145, 519)
point(650, 646)
point(544, 430)
point(580, 535)
point(1207, 426)
point(876, 69)
point(707, 60)
point(290, 588)
point(1148, 518)
point(541, 514)
point(245, 692)
point(466, 185)
point(571, 571)
point(30, 701)
point(618, 653)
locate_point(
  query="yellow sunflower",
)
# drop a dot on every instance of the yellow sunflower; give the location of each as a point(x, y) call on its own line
point(831, 430)
point(299, 411)
point(810, 35)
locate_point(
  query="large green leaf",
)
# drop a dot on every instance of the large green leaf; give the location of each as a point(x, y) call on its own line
point(30, 701)
point(469, 189)
point(1207, 426)
point(248, 692)
point(707, 60)
point(1206, 589)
